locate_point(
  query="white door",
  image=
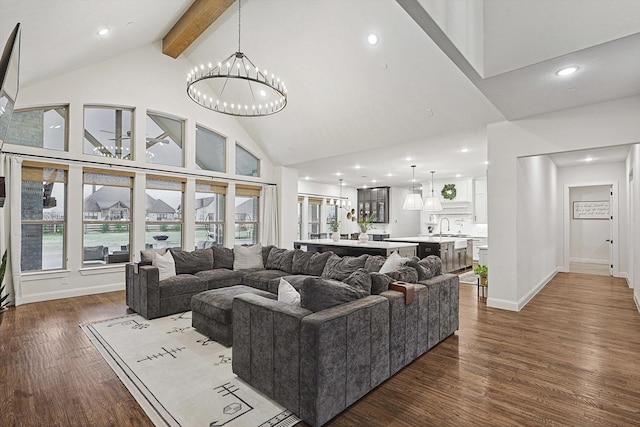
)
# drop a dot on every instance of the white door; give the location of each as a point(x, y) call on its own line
point(611, 231)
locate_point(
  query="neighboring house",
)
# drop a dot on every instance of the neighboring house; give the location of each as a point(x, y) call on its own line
point(207, 208)
point(112, 203)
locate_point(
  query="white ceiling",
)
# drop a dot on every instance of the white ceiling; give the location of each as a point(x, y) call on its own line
point(591, 156)
point(351, 103)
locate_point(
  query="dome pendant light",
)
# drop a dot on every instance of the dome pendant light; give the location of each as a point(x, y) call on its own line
point(413, 201)
point(432, 203)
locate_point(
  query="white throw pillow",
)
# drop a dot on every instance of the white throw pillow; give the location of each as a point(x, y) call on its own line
point(166, 265)
point(288, 294)
point(393, 262)
point(245, 257)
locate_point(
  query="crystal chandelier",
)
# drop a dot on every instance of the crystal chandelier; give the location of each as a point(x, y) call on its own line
point(413, 201)
point(237, 87)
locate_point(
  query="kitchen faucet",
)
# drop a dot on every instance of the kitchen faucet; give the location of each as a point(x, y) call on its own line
point(448, 225)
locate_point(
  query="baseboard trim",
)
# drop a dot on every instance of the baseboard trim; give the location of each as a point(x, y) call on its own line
point(533, 292)
point(502, 304)
point(635, 298)
point(590, 260)
point(70, 293)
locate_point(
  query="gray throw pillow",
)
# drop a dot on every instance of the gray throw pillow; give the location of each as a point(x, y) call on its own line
point(379, 283)
point(404, 274)
point(374, 263)
point(433, 263)
point(247, 257)
point(222, 257)
point(423, 272)
point(266, 250)
point(318, 294)
point(339, 268)
point(147, 255)
point(280, 259)
point(360, 279)
point(311, 263)
point(192, 262)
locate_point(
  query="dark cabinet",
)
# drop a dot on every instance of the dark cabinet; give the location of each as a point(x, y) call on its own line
point(374, 202)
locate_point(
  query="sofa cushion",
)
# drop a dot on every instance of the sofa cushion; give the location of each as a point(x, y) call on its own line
point(423, 272)
point(433, 263)
point(166, 265)
point(260, 279)
point(379, 283)
point(294, 280)
point(311, 263)
point(222, 257)
point(339, 268)
point(288, 294)
point(280, 259)
point(182, 284)
point(318, 294)
point(404, 274)
point(266, 250)
point(392, 263)
point(246, 257)
point(374, 263)
point(220, 277)
point(192, 262)
point(360, 279)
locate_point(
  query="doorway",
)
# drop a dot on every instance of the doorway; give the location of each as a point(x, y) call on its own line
point(591, 231)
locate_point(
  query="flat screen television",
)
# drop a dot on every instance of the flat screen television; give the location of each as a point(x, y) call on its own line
point(9, 80)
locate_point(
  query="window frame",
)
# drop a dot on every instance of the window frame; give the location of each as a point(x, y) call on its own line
point(157, 182)
point(314, 203)
point(44, 108)
point(183, 121)
point(224, 148)
point(250, 191)
point(246, 150)
point(219, 189)
point(132, 142)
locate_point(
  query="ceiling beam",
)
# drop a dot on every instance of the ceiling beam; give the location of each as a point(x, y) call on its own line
point(194, 22)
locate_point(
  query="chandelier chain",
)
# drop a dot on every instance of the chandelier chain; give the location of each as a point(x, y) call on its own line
point(239, 7)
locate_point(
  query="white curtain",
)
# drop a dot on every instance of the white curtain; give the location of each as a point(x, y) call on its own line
point(269, 211)
point(11, 227)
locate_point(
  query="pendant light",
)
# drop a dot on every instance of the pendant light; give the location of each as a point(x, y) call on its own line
point(432, 203)
point(413, 201)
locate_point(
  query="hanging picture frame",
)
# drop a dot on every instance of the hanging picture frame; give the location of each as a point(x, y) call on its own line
point(591, 209)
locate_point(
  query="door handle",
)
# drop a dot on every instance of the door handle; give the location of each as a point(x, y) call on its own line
point(609, 240)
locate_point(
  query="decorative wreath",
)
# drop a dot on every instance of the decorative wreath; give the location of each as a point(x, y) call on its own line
point(449, 191)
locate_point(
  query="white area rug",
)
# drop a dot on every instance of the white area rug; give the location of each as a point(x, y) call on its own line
point(180, 377)
point(469, 278)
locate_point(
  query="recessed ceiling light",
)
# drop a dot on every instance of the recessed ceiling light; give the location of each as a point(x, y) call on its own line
point(357, 166)
point(408, 159)
point(487, 162)
point(588, 159)
point(372, 39)
point(389, 174)
point(374, 180)
point(338, 174)
point(567, 70)
point(342, 183)
point(458, 175)
point(464, 150)
point(364, 186)
point(103, 32)
point(307, 178)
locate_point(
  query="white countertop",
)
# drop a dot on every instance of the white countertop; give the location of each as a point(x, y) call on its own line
point(357, 243)
point(427, 239)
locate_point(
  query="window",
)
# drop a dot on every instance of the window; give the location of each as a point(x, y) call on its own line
point(42, 127)
point(210, 150)
point(164, 140)
point(299, 231)
point(163, 213)
point(210, 214)
point(332, 212)
point(314, 218)
point(107, 218)
point(43, 218)
point(108, 132)
point(246, 163)
point(247, 214)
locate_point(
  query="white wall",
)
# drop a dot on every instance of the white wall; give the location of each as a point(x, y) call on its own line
point(633, 200)
point(605, 124)
point(143, 79)
point(588, 236)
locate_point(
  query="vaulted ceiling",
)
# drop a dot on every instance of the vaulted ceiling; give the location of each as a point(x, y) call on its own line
point(425, 91)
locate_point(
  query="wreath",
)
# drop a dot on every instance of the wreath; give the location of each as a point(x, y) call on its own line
point(449, 191)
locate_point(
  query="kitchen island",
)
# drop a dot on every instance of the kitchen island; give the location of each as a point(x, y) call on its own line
point(455, 252)
point(356, 248)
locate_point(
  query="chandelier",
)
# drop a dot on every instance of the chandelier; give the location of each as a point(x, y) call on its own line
point(413, 201)
point(237, 87)
point(432, 203)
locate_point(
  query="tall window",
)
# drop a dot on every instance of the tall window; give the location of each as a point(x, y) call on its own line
point(39, 127)
point(299, 230)
point(314, 218)
point(247, 214)
point(246, 163)
point(107, 218)
point(332, 212)
point(108, 132)
point(210, 214)
point(164, 140)
point(163, 213)
point(210, 150)
point(43, 218)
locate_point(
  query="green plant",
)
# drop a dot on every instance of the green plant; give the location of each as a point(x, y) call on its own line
point(104, 228)
point(3, 267)
point(449, 191)
point(334, 225)
point(365, 223)
point(481, 270)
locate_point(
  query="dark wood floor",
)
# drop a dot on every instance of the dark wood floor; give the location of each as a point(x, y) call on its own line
point(570, 357)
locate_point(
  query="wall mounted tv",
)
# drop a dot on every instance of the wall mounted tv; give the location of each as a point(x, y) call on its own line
point(9, 80)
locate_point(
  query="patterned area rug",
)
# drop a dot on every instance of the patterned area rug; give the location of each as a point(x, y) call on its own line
point(180, 377)
point(469, 278)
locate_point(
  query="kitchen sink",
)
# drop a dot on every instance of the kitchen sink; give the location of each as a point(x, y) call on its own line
point(460, 244)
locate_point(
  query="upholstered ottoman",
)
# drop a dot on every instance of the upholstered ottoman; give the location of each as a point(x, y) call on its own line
point(211, 311)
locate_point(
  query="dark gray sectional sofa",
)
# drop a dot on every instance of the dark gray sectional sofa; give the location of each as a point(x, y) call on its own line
point(321, 357)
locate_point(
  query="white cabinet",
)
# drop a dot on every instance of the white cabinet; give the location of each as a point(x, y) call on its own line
point(464, 189)
point(477, 242)
point(480, 201)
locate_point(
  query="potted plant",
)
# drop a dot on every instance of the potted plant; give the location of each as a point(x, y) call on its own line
point(482, 271)
point(334, 225)
point(365, 224)
point(4, 298)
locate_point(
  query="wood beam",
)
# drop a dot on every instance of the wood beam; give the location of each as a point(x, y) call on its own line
point(200, 15)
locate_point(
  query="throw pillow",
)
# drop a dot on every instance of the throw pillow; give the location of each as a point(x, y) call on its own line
point(147, 255)
point(280, 259)
point(433, 263)
point(339, 268)
point(392, 263)
point(360, 279)
point(379, 283)
point(192, 262)
point(311, 263)
point(318, 294)
point(166, 265)
point(245, 257)
point(374, 263)
point(288, 294)
point(423, 272)
point(222, 257)
point(404, 274)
